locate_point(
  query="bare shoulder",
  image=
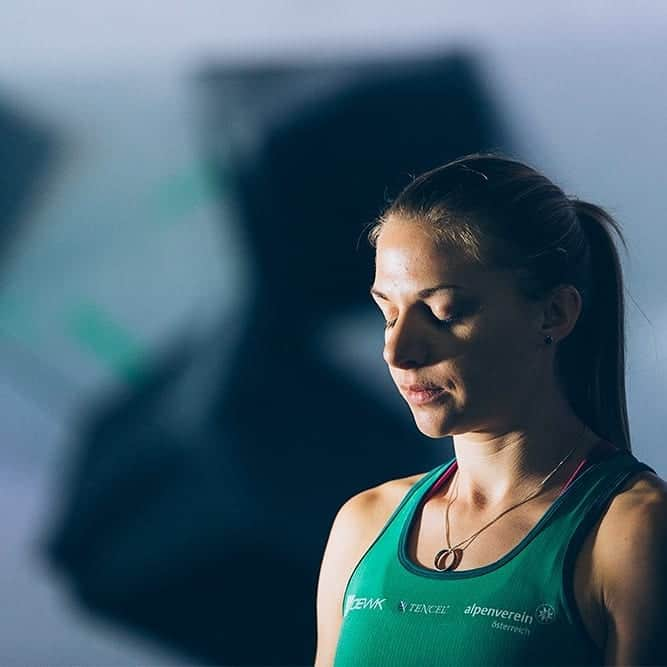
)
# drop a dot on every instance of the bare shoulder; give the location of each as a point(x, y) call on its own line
point(629, 554)
point(364, 514)
point(355, 527)
point(642, 495)
point(376, 504)
point(393, 491)
point(642, 499)
point(644, 491)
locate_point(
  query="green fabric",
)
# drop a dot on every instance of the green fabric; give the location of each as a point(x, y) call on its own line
point(519, 610)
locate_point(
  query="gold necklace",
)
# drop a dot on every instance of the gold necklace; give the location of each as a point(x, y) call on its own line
point(450, 557)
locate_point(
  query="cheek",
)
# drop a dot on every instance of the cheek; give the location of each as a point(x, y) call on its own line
point(491, 364)
point(506, 362)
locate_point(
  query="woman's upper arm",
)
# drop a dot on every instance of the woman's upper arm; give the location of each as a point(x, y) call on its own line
point(349, 537)
point(633, 562)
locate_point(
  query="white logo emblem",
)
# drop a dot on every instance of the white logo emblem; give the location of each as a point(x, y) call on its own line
point(354, 602)
point(545, 613)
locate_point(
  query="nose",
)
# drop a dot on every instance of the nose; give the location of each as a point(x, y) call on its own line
point(406, 343)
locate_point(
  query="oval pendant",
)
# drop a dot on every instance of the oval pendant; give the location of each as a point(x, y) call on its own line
point(448, 559)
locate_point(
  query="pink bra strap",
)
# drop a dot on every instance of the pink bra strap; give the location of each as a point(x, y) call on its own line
point(601, 448)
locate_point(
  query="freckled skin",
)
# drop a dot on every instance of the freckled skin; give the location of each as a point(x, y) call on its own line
point(509, 417)
point(490, 349)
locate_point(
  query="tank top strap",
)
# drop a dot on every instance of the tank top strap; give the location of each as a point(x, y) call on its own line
point(602, 450)
point(581, 503)
point(428, 484)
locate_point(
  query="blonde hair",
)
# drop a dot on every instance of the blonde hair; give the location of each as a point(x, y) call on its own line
point(504, 214)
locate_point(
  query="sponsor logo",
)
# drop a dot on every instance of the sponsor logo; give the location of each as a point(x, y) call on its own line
point(520, 618)
point(545, 613)
point(509, 620)
point(509, 614)
point(421, 608)
point(352, 602)
point(517, 622)
point(507, 627)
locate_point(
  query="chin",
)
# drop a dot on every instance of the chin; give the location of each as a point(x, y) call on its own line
point(439, 422)
point(435, 436)
point(432, 428)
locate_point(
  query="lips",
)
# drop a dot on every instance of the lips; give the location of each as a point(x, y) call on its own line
point(428, 386)
point(420, 394)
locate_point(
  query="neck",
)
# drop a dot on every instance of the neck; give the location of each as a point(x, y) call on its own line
point(498, 469)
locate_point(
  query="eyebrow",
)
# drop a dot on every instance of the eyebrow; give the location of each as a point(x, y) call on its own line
point(422, 294)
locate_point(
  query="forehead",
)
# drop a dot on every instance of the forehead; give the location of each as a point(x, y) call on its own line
point(407, 255)
point(408, 261)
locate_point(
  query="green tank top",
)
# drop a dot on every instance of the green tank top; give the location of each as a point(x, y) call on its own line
point(519, 610)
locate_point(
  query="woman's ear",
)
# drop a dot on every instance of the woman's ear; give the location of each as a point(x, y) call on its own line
point(561, 310)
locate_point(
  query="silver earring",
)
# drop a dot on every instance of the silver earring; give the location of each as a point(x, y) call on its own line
point(548, 340)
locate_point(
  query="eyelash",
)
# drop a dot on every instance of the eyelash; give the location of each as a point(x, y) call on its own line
point(444, 323)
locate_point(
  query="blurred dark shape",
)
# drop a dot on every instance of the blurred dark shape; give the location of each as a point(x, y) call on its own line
point(27, 149)
point(210, 537)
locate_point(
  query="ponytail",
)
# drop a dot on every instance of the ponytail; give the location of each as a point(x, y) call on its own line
point(515, 217)
point(592, 363)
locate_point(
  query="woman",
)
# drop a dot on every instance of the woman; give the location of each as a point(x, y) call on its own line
point(543, 541)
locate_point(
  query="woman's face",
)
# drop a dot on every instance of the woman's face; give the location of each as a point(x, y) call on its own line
point(477, 339)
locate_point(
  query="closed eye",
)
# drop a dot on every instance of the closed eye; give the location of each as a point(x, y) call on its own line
point(444, 323)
